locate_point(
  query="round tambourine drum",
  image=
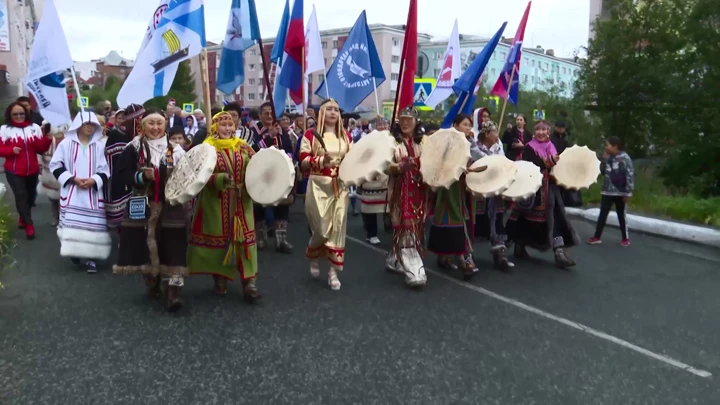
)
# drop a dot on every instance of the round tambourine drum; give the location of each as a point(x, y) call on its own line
point(367, 159)
point(270, 176)
point(191, 174)
point(528, 180)
point(500, 174)
point(577, 168)
point(444, 158)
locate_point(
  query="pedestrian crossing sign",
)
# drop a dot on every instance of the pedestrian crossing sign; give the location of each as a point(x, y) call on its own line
point(539, 115)
point(83, 102)
point(188, 108)
point(423, 88)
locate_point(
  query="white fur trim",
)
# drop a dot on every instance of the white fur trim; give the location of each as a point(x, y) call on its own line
point(79, 243)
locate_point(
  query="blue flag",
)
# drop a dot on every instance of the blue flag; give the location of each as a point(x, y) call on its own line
point(242, 32)
point(464, 87)
point(277, 55)
point(350, 78)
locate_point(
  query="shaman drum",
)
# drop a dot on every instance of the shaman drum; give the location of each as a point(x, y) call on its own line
point(528, 180)
point(500, 174)
point(578, 168)
point(445, 156)
point(191, 174)
point(270, 176)
point(367, 159)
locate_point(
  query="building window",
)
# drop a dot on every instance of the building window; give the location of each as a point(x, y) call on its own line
point(525, 78)
point(396, 42)
point(335, 44)
point(253, 52)
point(324, 44)
point(437, 72)
point(321, 77)
point(251, 96)
point(564, 71)
point(494, 56)
point(325, 61)
point(438, 55)
point(525, 60)
point(503, 55)
point(392, 94)
point(395, 59)
point(251, 67)
point(394, 76)
point(533, 63)
point(252, 82)
point(492, 71)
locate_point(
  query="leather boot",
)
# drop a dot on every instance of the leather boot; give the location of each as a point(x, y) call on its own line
point(175, 285)
point(521, 252)
point(468, 267)
point(281, 243)
point(562, 261)
point(153, 285)
point(250, 292)
point(55, 207)
point(445, 263)
point(262, 237)
point(500, 262)
point(220, 286)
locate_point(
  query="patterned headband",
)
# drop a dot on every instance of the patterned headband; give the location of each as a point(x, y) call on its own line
point(153, 116)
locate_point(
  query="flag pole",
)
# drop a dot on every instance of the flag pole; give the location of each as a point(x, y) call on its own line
point(400, 78)
point(507, 96)
point(77, 89)
point(377, 101)
point(206, 83)
point(304, 84)
point(266, 77)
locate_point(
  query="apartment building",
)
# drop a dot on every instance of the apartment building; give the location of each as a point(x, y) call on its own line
point(388, 40)
point(18, 21)
point(540, 69)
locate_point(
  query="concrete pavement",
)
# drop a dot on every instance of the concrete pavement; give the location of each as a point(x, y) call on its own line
point(67, 337)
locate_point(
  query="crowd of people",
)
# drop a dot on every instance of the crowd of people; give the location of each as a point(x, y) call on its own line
point(106, 174)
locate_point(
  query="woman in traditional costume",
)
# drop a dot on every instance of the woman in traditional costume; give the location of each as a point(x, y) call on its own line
point(80, 168)
point(490, 212)
point(453, 224)
point(117, 193)
point(153, 239)
point(222, 231)
point(326, 202)
point(407, 201)
point(540, 222)
point(48, 184)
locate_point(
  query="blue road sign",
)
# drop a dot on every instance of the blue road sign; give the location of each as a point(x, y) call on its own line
point(422, 92)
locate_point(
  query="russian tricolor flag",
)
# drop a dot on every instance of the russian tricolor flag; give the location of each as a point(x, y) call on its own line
point(291, 75)
point(511, 70)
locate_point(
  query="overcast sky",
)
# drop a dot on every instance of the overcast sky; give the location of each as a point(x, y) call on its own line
point(93, 27)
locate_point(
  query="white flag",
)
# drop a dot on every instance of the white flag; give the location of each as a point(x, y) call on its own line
point(449, 73)
point(178, 36)
point(314, 59)
point(50, 56)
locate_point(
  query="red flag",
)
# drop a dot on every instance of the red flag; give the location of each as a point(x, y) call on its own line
point(409, 58)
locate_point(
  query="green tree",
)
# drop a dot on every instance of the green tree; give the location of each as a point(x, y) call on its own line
point(182, 89)
point(650, 77)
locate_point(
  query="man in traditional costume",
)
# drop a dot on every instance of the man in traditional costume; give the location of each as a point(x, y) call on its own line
point(321, 151)
point(268, 133)
point(222, 231)
point(117, 194)
point(540, 222)
point(48, 184)
point(153, 237)
point(80, 168)
point(407, 201)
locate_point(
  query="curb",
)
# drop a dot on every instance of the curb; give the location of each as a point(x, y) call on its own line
point(653, 226)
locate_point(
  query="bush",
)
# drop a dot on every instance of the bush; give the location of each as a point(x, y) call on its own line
point(651, 197)
point(7, 243)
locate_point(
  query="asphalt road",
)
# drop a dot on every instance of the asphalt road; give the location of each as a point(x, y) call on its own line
point(67, 337)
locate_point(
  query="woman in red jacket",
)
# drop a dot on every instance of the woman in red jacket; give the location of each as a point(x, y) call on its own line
point(20, 143)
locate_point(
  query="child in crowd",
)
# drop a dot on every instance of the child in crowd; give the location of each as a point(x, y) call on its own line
point(618, 184)
point(178, 137)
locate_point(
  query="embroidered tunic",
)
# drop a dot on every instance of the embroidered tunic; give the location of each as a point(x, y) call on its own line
point(327, 199)
point(83, 227)
point(222, 232)
point(408, 197)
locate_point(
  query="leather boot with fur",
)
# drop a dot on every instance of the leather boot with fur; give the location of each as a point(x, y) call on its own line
point(562, 261)
point(250, 292)
point(281, 243)
point(55, 207)
point(500, 262)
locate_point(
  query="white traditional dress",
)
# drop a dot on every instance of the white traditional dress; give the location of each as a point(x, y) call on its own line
point(83, 226)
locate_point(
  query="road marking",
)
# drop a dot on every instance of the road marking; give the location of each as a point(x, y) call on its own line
point(583, 328)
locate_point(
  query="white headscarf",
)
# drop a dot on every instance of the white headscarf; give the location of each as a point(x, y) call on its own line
point(191, 130)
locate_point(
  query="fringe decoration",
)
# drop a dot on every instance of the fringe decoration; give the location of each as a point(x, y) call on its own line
point(155, 211)
point(410, 231)
point(235, 239)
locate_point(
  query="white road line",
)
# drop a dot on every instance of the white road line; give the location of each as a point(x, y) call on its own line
point(583, 328)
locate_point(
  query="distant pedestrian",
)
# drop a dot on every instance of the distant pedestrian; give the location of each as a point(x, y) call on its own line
point(618, 185)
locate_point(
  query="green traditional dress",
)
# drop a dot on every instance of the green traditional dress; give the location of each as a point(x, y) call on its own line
point(453, 221)
point(222, 233)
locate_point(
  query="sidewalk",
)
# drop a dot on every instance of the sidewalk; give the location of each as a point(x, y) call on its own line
point(652, 226)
